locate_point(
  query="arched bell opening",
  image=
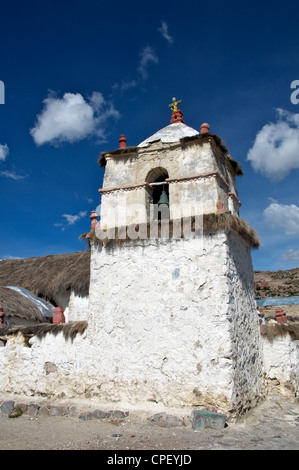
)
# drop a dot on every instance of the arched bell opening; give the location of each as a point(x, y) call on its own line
point(158, 201)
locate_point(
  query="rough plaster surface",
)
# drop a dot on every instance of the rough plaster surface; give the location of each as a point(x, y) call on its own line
point(280, 358)
point(75, 305)
point(51, 366)
point(77, 309)
point(154, 334)
point(124, 203)
point(171, 342)
point(172, 322)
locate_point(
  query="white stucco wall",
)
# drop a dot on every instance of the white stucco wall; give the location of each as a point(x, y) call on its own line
point(77, 309)
point(191, 169)
point(52, 366)
point(74, 304)
point(242, 315)
point(164, 326)
point(168, 314)
point(281, 361)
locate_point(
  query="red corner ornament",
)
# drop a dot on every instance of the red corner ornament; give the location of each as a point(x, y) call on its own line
point(94, 220)
point(122, 142)
point(204, 128)
point(58, 316)
point(281, 316)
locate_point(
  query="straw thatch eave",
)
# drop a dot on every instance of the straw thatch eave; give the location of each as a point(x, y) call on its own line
point(212, 222)
point(272, 330)
point(69, 330)
point(45, 276)
point(15, 304)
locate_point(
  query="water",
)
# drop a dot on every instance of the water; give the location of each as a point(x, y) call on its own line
point(277, 301)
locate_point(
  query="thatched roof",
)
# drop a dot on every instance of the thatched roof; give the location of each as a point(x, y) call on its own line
point(15, 304)
point(46, 275)
point(69, 330)
point(212, 222)
point(271, 330)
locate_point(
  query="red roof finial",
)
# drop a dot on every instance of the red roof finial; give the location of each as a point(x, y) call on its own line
point(177, 115)
point(204, 128)
point(94, 220)
point(122, 142)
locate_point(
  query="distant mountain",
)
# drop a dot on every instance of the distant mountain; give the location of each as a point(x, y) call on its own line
point(276, 283)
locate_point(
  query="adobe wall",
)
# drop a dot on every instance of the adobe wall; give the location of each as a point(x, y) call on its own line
point(281, 362)
point(75, 305)
point(197, 175)
point(164, 327)
point(52, 366)
point(77, 309)
point(242, 314)
point(166, 307)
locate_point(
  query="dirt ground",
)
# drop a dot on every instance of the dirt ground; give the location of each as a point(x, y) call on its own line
point(292, 311)
point(272, 425)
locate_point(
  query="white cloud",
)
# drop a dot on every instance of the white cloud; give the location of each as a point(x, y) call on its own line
point(72, 118)
point(276, 148)
point(12, 174)
point(291, 255)
point(71, 219)
point(147, 56)
point(283, 217)
point(164, 31)
point(125, 85)
point(4, 151)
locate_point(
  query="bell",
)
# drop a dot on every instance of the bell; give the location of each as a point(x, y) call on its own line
point(163, 199)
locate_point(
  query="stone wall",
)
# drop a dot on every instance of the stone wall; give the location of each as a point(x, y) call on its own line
point(77, 309)
point(75, 305)
point(242, 316)
point(175, 315)
point(198, 177)
point(170, 321)
point(52, 366)
point(281, 362)
point(56, 367)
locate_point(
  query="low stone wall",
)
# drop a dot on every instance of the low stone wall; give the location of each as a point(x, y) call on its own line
point(47, 360)
point(65, 364)
point(280, 347)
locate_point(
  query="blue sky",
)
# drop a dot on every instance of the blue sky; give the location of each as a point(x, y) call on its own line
point(77, 75)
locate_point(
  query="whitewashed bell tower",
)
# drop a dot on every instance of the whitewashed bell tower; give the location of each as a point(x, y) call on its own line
point(172, 305)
